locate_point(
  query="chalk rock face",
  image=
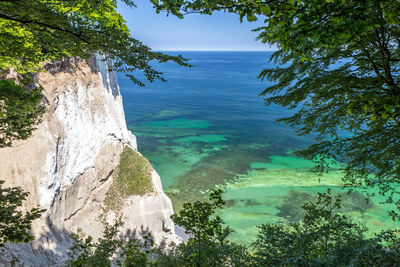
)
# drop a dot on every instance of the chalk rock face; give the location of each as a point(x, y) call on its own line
point(71, 160)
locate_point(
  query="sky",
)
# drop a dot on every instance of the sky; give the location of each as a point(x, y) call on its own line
point(219, 32)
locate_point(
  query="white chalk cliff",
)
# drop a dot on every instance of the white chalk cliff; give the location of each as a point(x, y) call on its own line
point(69, 163)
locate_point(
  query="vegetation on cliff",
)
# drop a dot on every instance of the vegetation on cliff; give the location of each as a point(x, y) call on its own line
point(132, 177)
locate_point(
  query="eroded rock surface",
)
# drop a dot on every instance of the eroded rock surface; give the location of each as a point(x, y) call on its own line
point(69, 163)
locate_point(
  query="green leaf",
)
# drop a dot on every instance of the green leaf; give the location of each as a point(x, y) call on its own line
point(251, 17)
point(265, 10)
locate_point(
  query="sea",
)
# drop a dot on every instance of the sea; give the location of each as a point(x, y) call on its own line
point(207, 127)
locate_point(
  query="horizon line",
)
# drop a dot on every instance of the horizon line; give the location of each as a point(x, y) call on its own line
point(184, 50)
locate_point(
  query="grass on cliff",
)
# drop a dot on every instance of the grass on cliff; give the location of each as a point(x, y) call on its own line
point(132, 177)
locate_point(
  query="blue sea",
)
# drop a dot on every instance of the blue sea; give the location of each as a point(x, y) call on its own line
point(207, 127)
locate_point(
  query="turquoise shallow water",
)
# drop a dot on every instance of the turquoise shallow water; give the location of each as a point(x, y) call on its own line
point(207, 127)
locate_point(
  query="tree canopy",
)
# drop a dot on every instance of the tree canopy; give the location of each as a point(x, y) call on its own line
point(20, 111)
point(339, 69)
point(33, 32)
point(208, 243)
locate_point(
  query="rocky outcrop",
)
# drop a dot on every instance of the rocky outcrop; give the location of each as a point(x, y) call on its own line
point(70, 162)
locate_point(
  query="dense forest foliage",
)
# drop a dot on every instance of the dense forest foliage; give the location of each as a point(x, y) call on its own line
point(339, 68)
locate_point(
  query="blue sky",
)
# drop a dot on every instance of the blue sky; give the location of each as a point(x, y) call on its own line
point(219, 32)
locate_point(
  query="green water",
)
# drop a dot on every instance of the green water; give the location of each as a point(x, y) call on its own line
point(259, 194)
point(179, 123)
point(206, 127)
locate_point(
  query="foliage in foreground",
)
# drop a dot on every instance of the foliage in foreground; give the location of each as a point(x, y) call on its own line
point(85, 252)
point(208, 243)
point(339, 68)
point(350, 202)
point(15, 225)
point(33, 32)
point(20, 110)
point(323, 238)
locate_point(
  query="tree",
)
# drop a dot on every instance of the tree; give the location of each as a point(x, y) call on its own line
point(324, 238)
point(35, 32)
point(15, 225)
point(339, 69)
point(208, 243)
point(20, 111)
point(112, 249)
point(137, 253)
point(85, 252)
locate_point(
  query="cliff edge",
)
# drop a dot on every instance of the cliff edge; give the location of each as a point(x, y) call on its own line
point(71, 165)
